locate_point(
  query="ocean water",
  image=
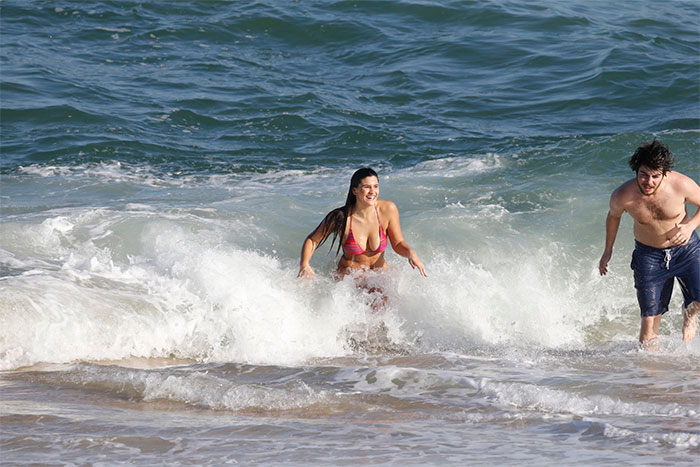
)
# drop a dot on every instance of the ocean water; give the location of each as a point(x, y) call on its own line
point(162, 162)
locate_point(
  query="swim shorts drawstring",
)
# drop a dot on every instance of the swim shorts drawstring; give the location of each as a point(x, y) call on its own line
point(667, 258)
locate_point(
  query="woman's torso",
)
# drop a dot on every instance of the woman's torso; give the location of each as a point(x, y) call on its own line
point(364, 243)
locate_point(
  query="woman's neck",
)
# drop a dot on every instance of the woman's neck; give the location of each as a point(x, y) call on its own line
point(363, 210)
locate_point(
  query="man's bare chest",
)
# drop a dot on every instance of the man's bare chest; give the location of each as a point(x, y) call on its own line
point(661, 209)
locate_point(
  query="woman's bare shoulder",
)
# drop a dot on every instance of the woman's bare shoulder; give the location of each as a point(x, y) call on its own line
point(386, 206)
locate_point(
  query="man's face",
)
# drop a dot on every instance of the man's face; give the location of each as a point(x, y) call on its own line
point(649, 180)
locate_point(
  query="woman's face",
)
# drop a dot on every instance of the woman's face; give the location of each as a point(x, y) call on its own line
point(367, 192)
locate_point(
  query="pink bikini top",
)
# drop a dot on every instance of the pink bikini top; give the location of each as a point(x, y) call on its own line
point(353, 249)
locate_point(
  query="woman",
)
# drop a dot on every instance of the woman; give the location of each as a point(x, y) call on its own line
point(361, 227)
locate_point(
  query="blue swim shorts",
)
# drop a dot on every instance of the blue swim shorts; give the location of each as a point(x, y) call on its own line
point(655, 269)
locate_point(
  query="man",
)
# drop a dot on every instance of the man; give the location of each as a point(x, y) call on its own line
point(666, 244)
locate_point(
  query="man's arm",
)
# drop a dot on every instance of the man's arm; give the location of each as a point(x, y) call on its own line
point(612, 224)
point(691, 193)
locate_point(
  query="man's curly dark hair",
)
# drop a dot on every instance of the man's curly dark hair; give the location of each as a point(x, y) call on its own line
point(653, 155)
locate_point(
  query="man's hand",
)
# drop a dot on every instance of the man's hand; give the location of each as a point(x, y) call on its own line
point(682, 235)
point(603, 264)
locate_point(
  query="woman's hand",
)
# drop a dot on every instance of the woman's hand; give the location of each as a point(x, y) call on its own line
point(306, 271)
point(415, 262)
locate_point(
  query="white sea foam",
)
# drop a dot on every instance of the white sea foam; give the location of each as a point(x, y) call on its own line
point(544, 399)
point(194, 388)
point(676, 439)
point(454, 167)
point(519, 302)
point(108, 172)
point(45, 170)
point(102, 28)
point(113, 172)
point(215, 393)
point(530, 397)
point(172, 291)
point(217, 281)
point(104, 284)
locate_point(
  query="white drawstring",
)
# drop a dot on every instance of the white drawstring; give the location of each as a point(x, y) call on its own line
point(667, 258)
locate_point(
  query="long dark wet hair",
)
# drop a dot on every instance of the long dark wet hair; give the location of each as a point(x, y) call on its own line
point(336, 220)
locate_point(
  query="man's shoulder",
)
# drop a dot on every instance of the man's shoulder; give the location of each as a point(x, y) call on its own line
point(685, 187)
point(625, 197)
point(680, 179)
point(627, 190)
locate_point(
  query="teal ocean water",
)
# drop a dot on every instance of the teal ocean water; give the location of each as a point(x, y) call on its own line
point(162, 162)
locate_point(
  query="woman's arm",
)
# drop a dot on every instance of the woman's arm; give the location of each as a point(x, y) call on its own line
point(400, 246)
point(311, 242)
point(307, 250)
